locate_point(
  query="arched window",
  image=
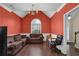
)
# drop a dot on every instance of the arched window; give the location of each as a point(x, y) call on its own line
point(36, 26)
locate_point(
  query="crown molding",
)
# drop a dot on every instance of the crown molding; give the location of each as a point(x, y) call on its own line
point(5, 7)
point(61, 7)
point(72, 9)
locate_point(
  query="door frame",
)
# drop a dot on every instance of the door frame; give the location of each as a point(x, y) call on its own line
point(66, 37)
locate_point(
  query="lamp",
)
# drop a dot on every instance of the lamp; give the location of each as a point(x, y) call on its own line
point(69, 17)
point(32, 10)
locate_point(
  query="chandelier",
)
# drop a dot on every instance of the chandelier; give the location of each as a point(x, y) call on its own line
point(32, 10)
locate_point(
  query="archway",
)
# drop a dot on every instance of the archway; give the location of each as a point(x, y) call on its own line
point(68, 31)
point(35, 26)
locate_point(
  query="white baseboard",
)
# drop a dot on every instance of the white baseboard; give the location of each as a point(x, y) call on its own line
point(76, 46)
point(12, 34)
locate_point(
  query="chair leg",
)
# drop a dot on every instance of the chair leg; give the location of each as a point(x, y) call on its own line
point(53, 47)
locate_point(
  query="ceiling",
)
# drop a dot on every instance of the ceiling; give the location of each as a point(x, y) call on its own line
point(21, 9)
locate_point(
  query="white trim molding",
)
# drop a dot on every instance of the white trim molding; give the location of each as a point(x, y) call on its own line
point(76, 46)
point(5, 7)
point(72, 9)
point(61, 7)
point(40, 24)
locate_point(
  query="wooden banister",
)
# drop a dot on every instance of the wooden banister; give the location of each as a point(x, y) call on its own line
point(75, 36)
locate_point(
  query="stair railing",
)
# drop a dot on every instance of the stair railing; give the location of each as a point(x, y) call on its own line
point(76, 36)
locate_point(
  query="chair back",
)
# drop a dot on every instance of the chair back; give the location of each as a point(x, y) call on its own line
point(59, 39)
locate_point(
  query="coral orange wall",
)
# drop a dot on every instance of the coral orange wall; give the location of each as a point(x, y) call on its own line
point(11, 20)
point(57, 24)
point(16, 25)
point(57, 18)
point(45, 21)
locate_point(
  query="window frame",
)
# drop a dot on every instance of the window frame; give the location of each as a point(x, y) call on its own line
point(32, 23)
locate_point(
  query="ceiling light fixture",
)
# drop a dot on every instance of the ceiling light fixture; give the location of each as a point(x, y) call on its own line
point(32, 10)
point(69, 17)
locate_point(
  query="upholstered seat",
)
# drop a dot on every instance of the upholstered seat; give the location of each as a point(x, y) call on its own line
point(36, 38)
point(15, 43)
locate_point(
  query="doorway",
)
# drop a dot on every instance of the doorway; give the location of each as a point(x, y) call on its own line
point(71, 21)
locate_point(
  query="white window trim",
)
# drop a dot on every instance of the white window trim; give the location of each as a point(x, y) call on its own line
point(40, 25)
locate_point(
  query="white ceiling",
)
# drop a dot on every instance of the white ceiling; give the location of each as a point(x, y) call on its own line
point(21, 8)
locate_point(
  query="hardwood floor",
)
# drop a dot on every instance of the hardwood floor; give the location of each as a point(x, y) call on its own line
point(37, 50)
point(72, 51)
point(44, 50)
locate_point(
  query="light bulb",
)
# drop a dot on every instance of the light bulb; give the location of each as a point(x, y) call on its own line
point(69, 17)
